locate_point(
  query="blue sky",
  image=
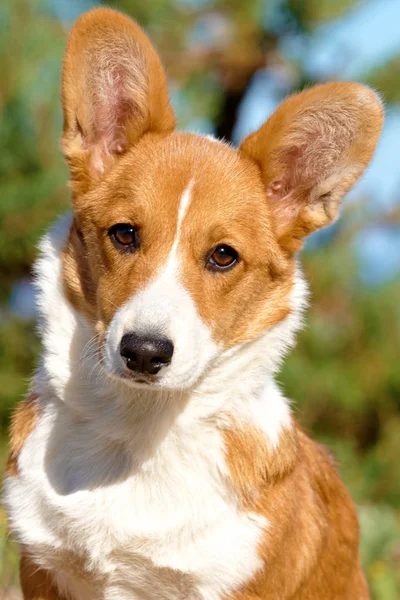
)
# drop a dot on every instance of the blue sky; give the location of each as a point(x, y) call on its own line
point(365, 37)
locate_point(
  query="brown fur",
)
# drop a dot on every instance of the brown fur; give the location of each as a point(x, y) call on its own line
point(310, 549)
point(286, 181)
point(318, 143)
point(113, 92)
point(22, 425)
point(253, 464)
point(36, 583)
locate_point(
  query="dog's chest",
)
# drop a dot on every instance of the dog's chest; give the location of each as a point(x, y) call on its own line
point(174, 530)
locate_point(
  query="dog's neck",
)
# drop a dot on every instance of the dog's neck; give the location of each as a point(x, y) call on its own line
point(239, 385)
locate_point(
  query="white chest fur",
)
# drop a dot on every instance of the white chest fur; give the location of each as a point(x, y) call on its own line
point(171, 529)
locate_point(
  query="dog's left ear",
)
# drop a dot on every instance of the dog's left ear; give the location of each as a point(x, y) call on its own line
point(310, 153)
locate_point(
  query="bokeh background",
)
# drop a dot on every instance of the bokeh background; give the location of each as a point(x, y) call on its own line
point(230, 62)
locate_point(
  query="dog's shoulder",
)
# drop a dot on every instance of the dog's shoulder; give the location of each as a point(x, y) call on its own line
point(311, 518)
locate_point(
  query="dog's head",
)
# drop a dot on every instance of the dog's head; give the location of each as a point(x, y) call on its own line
point(183, 247)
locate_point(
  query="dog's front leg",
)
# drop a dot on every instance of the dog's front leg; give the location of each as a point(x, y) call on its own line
point(36, 583)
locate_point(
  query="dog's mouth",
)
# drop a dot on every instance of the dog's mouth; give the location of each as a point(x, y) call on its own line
point(134, 379)
point(139, 378)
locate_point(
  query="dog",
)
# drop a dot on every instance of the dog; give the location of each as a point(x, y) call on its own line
point(155, 457)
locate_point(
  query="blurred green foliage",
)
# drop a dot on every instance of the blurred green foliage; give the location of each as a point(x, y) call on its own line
point(344, 375)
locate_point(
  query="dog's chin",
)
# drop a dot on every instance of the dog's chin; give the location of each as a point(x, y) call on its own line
point(146, 382)
point(135, 380)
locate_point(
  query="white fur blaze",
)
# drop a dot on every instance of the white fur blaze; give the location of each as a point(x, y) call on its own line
point(166, 308)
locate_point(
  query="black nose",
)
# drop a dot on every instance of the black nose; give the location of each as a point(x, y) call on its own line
point(146, 354)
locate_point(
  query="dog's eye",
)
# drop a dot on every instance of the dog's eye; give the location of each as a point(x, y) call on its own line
point(223, 257)
point(125, 237)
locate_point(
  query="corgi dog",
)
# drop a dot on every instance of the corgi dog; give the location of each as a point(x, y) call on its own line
point(155, 457)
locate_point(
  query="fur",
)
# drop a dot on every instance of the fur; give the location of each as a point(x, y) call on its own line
point(194, 482)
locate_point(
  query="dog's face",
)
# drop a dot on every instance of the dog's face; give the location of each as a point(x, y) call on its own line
point(184, 257)
point(183, 247)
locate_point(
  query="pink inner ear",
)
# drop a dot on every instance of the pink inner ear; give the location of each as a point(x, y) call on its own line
point(282, 201)
point(112, 110)
point(115, 109)
point(282, 191)
point(293, 173)
point(274, 189)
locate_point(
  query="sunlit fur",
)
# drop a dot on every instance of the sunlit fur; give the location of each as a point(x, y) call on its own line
point(195, 482)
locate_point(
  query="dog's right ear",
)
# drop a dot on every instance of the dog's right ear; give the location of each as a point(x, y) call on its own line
point(114, 91)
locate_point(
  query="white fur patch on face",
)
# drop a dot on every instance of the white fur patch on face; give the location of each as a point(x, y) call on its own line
point(164, 308)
